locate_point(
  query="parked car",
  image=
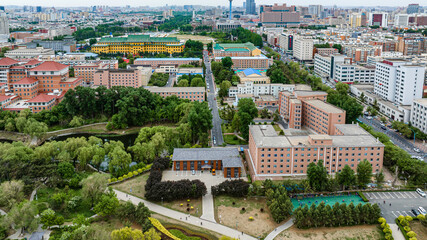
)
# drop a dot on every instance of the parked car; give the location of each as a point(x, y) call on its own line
point(369, 117)
point(422, 210)
point(193, 172)
point(421, 192)
point(417, 150)
point(383, 128)
point(415, 212)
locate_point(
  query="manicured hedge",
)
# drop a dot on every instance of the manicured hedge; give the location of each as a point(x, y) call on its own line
point(362, 196)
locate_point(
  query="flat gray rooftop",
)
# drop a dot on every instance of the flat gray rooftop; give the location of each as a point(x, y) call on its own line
point(230, 157)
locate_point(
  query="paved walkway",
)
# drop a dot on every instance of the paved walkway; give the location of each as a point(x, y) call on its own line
point(279, 229)
point(208, 207)
point(395, 231)
point(213, 226)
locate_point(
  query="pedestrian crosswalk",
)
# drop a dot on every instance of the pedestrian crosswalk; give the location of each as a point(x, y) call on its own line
point(403, 213)
point(392, 195)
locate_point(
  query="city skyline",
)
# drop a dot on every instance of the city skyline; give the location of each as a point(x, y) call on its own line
point(134, 3)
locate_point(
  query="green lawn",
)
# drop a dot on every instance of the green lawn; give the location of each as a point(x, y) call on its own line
point(137, 184)
point(44, 201)
point(233, 140)
point(182, 236)
point(277, 128)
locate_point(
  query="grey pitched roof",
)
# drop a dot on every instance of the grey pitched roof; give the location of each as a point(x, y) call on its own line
point(229, 156)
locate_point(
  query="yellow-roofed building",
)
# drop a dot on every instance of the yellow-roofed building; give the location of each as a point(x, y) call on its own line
point(135, 44)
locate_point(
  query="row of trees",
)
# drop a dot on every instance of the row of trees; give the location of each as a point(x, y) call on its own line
point(196, 80)
point(156, 190)
point(279, 203)
point(234, 188)
point(320, 180)
point(23, 122)
point(159, 79)
point(100, 30)
point(395, 157)
point(338, 215)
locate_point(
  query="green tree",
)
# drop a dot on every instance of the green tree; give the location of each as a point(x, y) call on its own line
point(76, 122)
point(317, 176)
point(346, 178)
point(247, 112)
point(120, 160)
point(127, 233)
point(197, 82)
point(364, 173)
point(94, 186)
point(200, 121)
point(49, 218)
point(35, 128)
point(223, 89)
point(227, 62)
point(183, 83)
point(107, 205)
point(23, 216)
point(11, 193)
point(379, 178)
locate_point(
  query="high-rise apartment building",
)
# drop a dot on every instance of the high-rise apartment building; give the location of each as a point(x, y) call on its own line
point(303, 49)
point(401, 20)
point(250, 7)
point(399, 82)
point(315, 10)
point(4, 23)
point(413, 8)
point(378, 19)
point(280, 15)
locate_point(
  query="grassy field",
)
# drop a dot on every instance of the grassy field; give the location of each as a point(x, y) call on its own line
point(364, 232)
point(233, 140)
point(137, 185)
point(169, 222)
point(181, 235)
point(277, 128)
point(233, 216)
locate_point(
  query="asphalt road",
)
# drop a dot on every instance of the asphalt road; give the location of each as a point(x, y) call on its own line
point(397, 139)
point(401, 203)
point(216, 120)
point(171, 80)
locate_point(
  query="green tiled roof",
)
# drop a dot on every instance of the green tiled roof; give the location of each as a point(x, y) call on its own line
point(248, 45)
point(236, 50)
point(139, 38)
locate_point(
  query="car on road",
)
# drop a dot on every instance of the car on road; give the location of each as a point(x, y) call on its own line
point(383, 128)
point(417, 150)
point(415, 212)
point(369, 117)
point(421, 192)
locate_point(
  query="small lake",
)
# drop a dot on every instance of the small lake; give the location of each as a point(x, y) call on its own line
point(127, 139)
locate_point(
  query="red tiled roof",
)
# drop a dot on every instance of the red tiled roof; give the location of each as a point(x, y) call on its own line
point(42, 98)
point(7, 61)
point(1, 84)
point(32, 62)
point(4, 97)
point(50, 66)
point(17, 67)
point(27, 80)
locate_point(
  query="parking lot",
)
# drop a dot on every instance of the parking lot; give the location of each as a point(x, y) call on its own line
point(401, 203)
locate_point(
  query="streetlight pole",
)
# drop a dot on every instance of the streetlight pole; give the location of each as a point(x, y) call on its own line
point(414, 135)
point(162, 200)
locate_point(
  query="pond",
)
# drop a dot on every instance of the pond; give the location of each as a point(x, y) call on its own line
point(328, 200)
point(127, 139)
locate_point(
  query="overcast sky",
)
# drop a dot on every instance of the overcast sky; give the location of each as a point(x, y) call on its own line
point(76, 3)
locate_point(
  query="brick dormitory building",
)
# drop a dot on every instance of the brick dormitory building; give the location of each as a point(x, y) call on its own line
point(33, 85)
point(317, 131)
point(223, 159)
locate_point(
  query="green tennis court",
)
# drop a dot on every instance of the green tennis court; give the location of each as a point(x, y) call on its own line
point(328, 200)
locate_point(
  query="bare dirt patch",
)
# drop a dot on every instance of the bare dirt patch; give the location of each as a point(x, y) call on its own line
point(364, 232)
point(196, 211)
point(419, 229)
point(232, 215)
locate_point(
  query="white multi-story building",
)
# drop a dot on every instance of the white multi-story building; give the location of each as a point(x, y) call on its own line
point(350, 73)
point(4, 23)
point(303, 49)
point(324, 65)
point(401, 20)
point(419, 114)
point(260, 89)
point(398, 82)
point(286, 42)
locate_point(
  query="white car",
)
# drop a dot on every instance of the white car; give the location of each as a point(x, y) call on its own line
point(422, 210)
point(417, 150)
point(369, 117)
point(421, 192)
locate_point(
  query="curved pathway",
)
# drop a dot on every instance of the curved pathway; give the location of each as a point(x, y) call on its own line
point(213, 226)
point(279, 229)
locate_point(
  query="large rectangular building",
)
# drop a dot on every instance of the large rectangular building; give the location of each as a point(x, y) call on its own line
point(279, 15)
point(419, 114)
point(189, 93)
point(122, 77)
point(224, 159)
point(260, 62)
point(303, 49)
point(156, 62)
point(135, 44)
point(273, 156)
point(235, 50)
point(399, 82)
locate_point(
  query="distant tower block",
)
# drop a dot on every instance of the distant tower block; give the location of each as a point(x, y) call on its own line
point(230, 9)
